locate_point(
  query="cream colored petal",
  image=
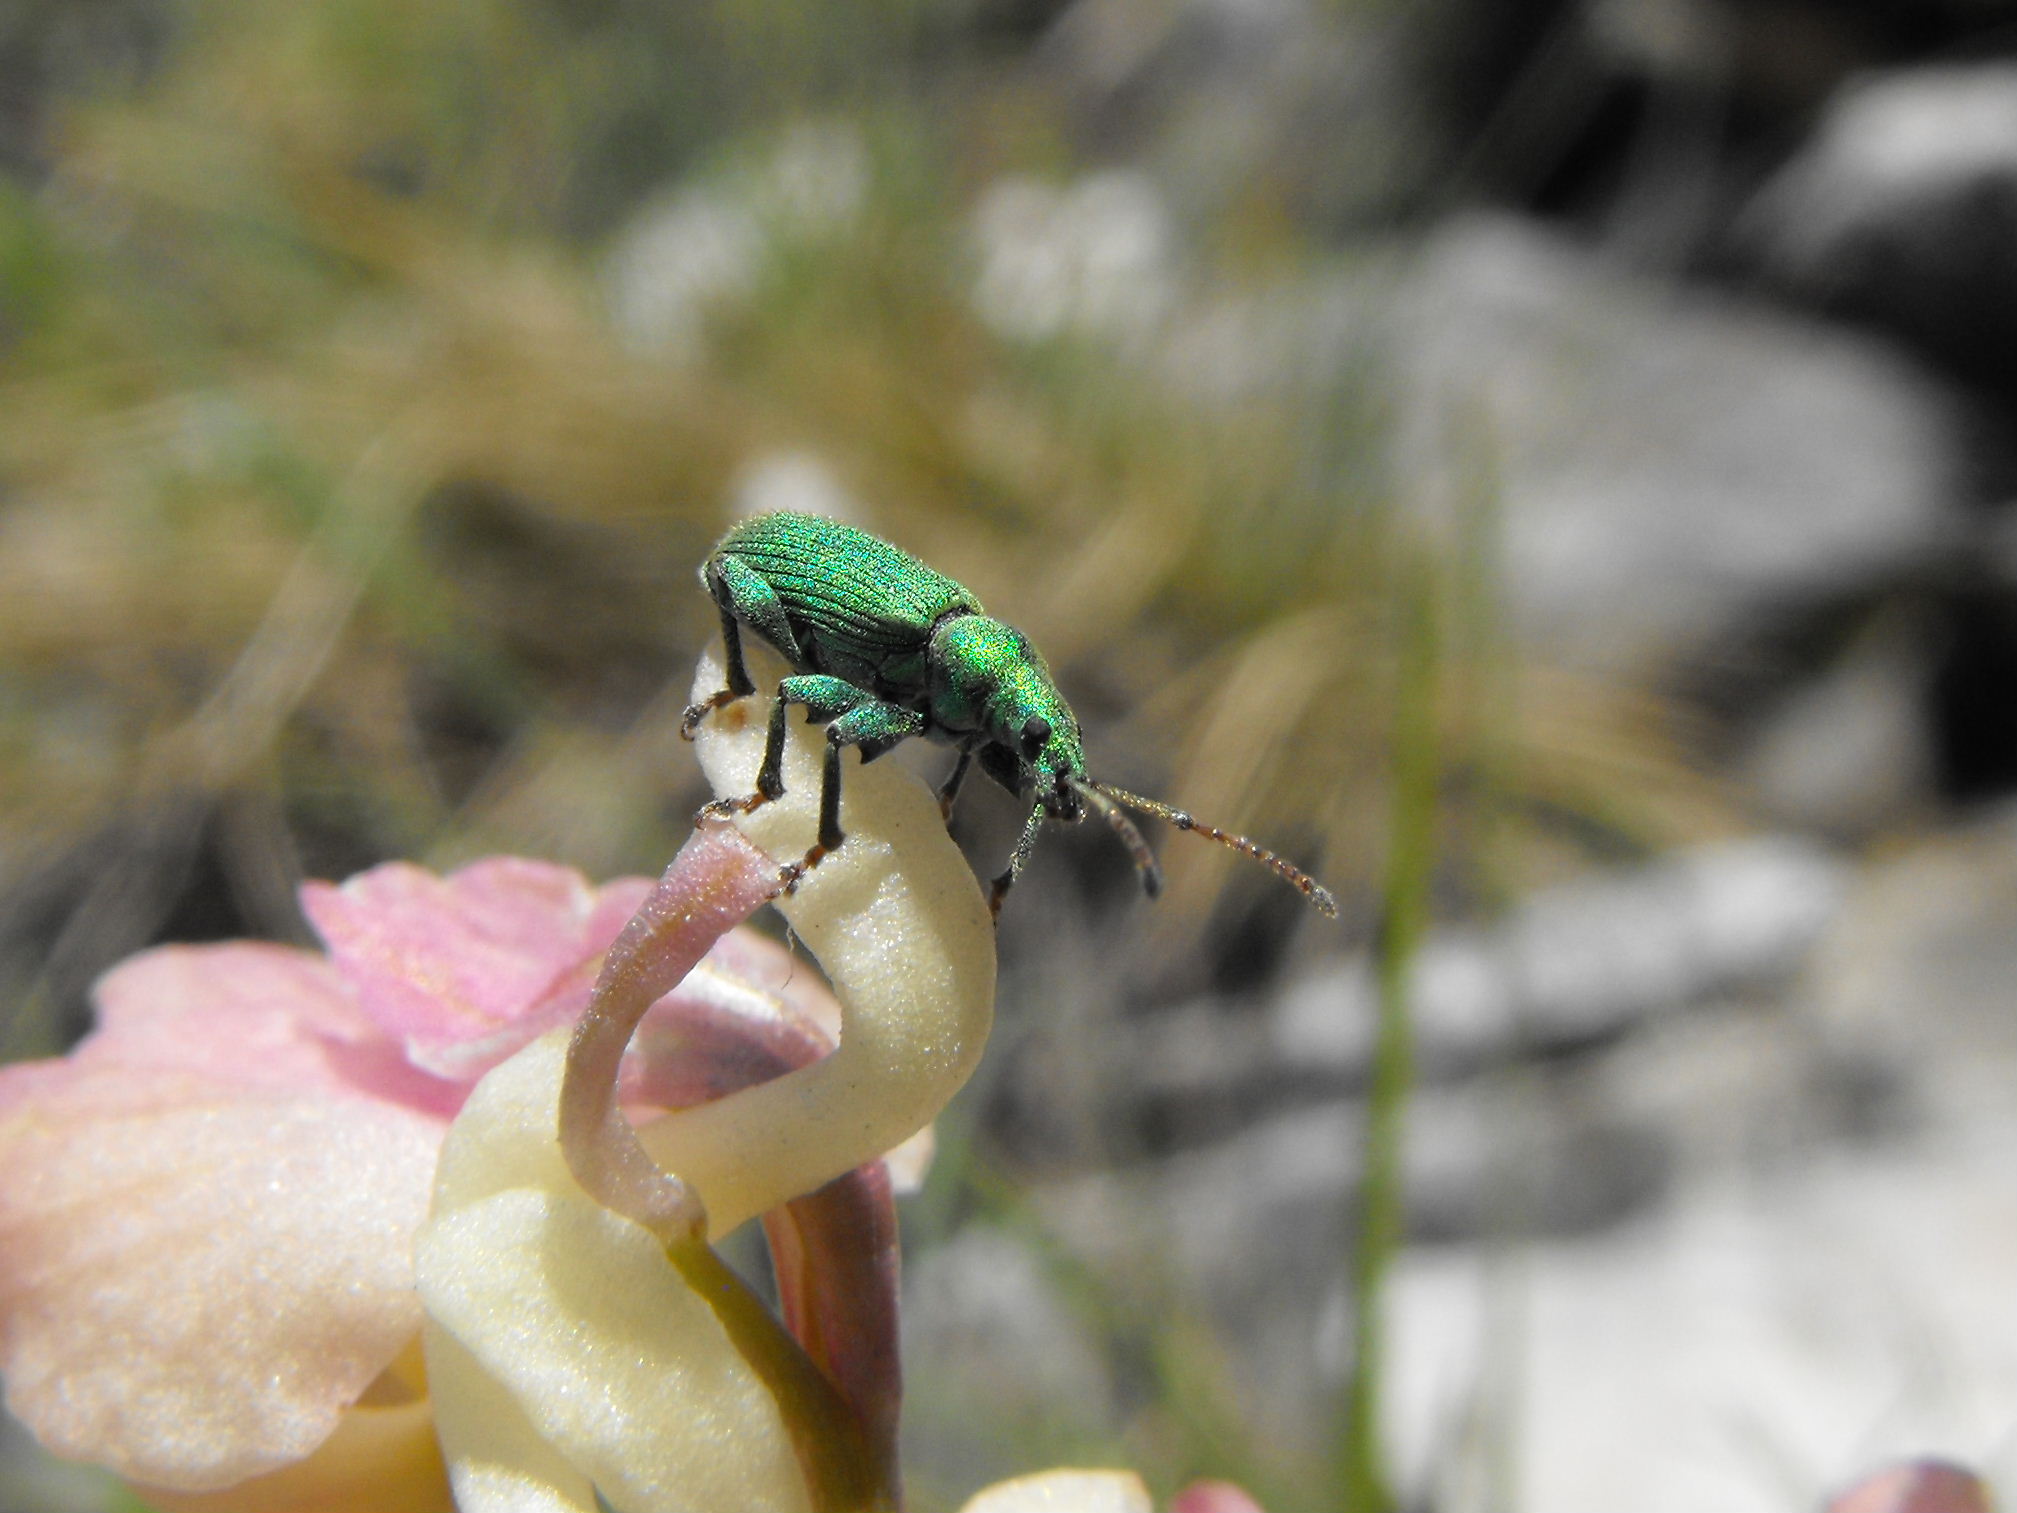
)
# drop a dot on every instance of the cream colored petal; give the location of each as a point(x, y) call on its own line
point(499, 1462)
point(1065, 1492)
point(897, 923)
point(504, 1138)
point(576, 1313)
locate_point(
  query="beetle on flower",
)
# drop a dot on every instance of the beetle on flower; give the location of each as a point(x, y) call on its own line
point(209, 1235)
point(882, 648)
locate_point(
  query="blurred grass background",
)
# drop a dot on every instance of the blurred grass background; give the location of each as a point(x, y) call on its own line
point(373, 377)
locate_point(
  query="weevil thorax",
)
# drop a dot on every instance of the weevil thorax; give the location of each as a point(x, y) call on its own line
point(987, 678)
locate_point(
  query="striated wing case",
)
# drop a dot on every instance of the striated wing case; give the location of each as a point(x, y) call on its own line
point(860, 599)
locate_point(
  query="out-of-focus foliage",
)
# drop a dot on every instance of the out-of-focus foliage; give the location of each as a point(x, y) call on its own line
point(350, 488)
point(373, 376)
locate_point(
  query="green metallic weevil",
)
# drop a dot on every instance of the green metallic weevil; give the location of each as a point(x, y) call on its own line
point(882, 648)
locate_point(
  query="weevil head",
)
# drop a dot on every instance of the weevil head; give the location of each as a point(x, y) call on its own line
point(988, 680)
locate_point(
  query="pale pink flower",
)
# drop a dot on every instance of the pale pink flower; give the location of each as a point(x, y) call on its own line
point(206, 1227)
point(578, 1348)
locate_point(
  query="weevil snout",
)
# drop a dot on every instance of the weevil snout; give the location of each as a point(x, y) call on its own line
point(1061, 800)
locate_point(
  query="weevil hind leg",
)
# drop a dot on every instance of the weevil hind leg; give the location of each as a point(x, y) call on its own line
point(735, 671)
point(830, 834)
point(743, 598)
point(769, 777)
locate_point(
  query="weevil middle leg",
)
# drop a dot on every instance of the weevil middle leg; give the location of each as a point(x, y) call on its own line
point(853, 717)
point(949, 790)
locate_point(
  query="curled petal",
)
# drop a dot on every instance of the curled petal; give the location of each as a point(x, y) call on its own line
point(500, 1462)
point(897, 922)
point(717, 880)
point(632, 1363)
point(834, 1251)
point(748, 1011)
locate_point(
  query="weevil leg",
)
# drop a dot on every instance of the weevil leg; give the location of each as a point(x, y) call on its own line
point(854, 717)
point(743, 597)
point(950, 789)
point(770, 775)
point(869, 724)
point(744, 593)
point(739, 684)
point(998, 889)
point(830, 835)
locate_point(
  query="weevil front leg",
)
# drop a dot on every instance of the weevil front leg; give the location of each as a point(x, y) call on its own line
point(999, 888)
point(743, 597)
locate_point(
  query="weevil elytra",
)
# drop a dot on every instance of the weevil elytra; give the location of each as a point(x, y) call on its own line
point(882, 649)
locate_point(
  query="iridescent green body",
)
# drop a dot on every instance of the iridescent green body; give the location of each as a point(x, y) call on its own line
point(882, 648)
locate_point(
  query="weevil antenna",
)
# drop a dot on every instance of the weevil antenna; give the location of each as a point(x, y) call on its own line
point(1287, 871)
point(1144, 859)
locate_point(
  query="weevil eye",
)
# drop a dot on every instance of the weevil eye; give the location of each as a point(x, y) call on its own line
point(1036, 730)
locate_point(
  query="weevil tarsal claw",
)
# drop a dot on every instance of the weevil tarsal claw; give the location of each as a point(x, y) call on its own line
point(689, 722)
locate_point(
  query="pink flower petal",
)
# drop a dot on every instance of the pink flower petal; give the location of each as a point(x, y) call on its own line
point(465, 969)
point(246, 1014)
point(1923, 1486)
point(195, 1284)
point(206, 1225)
point(254, 1017)
point(1213, 1497)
